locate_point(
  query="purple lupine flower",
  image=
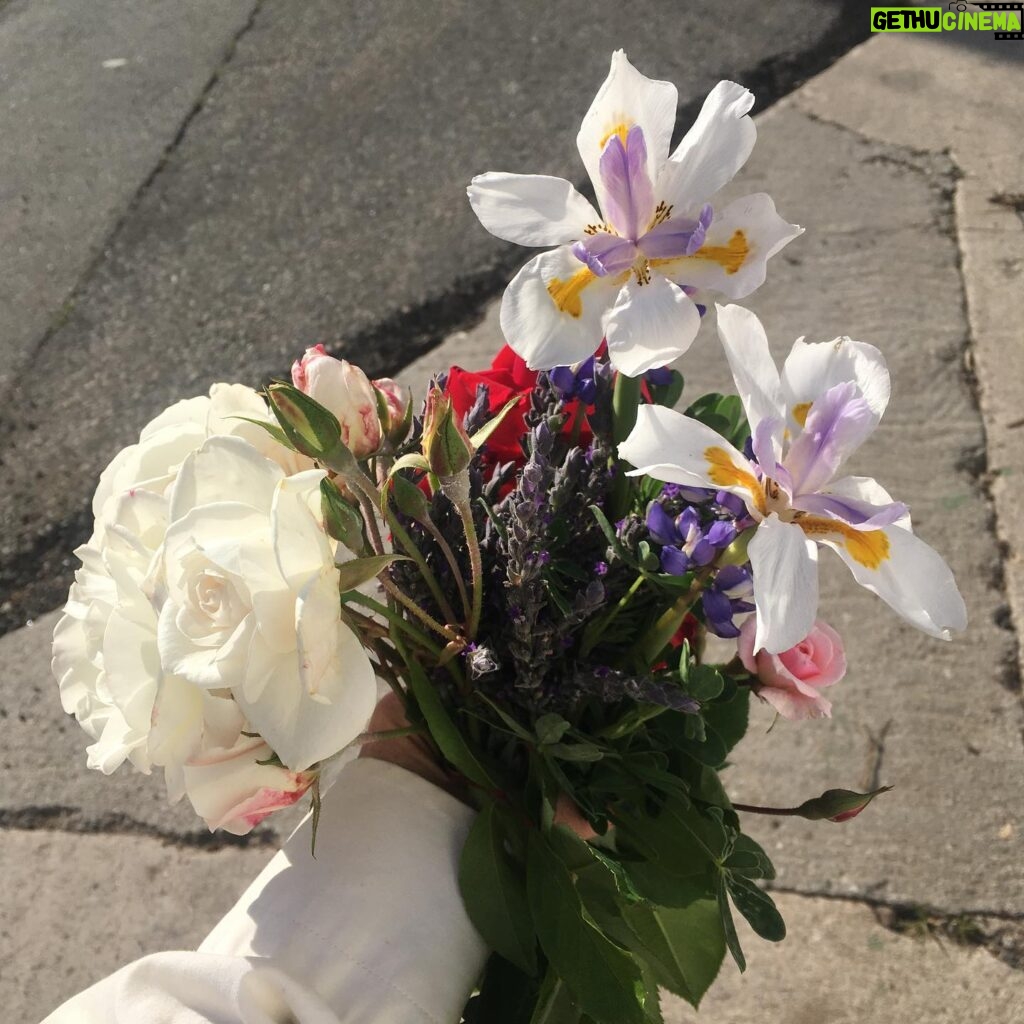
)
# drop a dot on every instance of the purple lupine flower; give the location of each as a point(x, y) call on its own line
point(729, 594)
point(575, 382)
point(686, 542)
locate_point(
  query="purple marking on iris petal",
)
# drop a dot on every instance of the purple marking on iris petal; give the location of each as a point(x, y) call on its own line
point(669, 240)
point(838, 423)
point(674, 562)
point(629, 194)
point(702, 310)
point(861, 515)
point(605, 254)
point(660, 524)
point(721, 533)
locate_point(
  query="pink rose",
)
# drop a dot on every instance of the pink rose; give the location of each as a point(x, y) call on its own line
point(344, 390)
point(792, 681)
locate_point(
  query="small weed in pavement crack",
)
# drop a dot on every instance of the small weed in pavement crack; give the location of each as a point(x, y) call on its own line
point(1004, 939)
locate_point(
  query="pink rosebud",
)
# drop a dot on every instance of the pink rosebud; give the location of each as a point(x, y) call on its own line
point(398, 403)
point(232, 791)
point(791, 681)
point(344, 390)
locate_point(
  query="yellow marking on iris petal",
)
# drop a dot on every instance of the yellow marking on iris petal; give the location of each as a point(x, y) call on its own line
point(730, 257)
point(800, 412)
point(868, 547)
point(725, 473)
point(621, 129)
point(565, 292)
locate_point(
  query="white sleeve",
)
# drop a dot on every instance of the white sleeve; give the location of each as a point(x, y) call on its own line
point(372, 931)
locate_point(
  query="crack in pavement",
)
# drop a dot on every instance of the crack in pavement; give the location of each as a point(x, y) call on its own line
point(999, 934)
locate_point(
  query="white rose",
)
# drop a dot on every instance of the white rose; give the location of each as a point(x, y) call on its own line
point(250, 602)
point(105, 653)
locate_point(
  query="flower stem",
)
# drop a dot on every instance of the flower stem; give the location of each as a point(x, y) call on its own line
point(649, 646)
point(465, 511)
point(625, 402)
point(446, 550)
point(779, 811)
point(402, 535)
point(425, 617)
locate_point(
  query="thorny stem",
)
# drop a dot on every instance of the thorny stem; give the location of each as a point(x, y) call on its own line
point(414, 553)
point(446, 550)
point(396, 620)
point(476, 565)
point(412, 606)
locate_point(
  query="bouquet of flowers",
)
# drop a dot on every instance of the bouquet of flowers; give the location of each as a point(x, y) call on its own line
point(540, 564)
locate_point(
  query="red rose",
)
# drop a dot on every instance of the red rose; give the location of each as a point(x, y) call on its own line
point(507, 378)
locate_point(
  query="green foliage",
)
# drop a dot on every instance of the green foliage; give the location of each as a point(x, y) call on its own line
point(494, 890)
point(603, 979)
point(723, 414)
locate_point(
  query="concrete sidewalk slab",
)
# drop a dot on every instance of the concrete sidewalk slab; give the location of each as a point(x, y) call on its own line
point(91, 95)
point(838, 965)
point(78, 907)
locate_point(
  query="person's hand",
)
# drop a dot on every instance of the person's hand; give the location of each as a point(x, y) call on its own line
point(415, 754)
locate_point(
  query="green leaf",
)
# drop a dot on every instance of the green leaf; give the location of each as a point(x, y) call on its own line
point(309, 427)
point(357, 571)
point(684, 946)
point(343, 522)
point(574, 751)
point(704, 682)
point(758, 908)
point(411, 461)
point(555, 1005)
point(408, 498)
point(604, 980)
point(506, 996)
point(732, 940)
point(271, 428)
point(443, 730)
point(550, 728)
point(729, 718)
point(481, 436)
point(749, 859)
point(494, 892)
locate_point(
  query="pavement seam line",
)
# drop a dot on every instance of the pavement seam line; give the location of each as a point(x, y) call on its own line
point(63, 312)
point(69, 820)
